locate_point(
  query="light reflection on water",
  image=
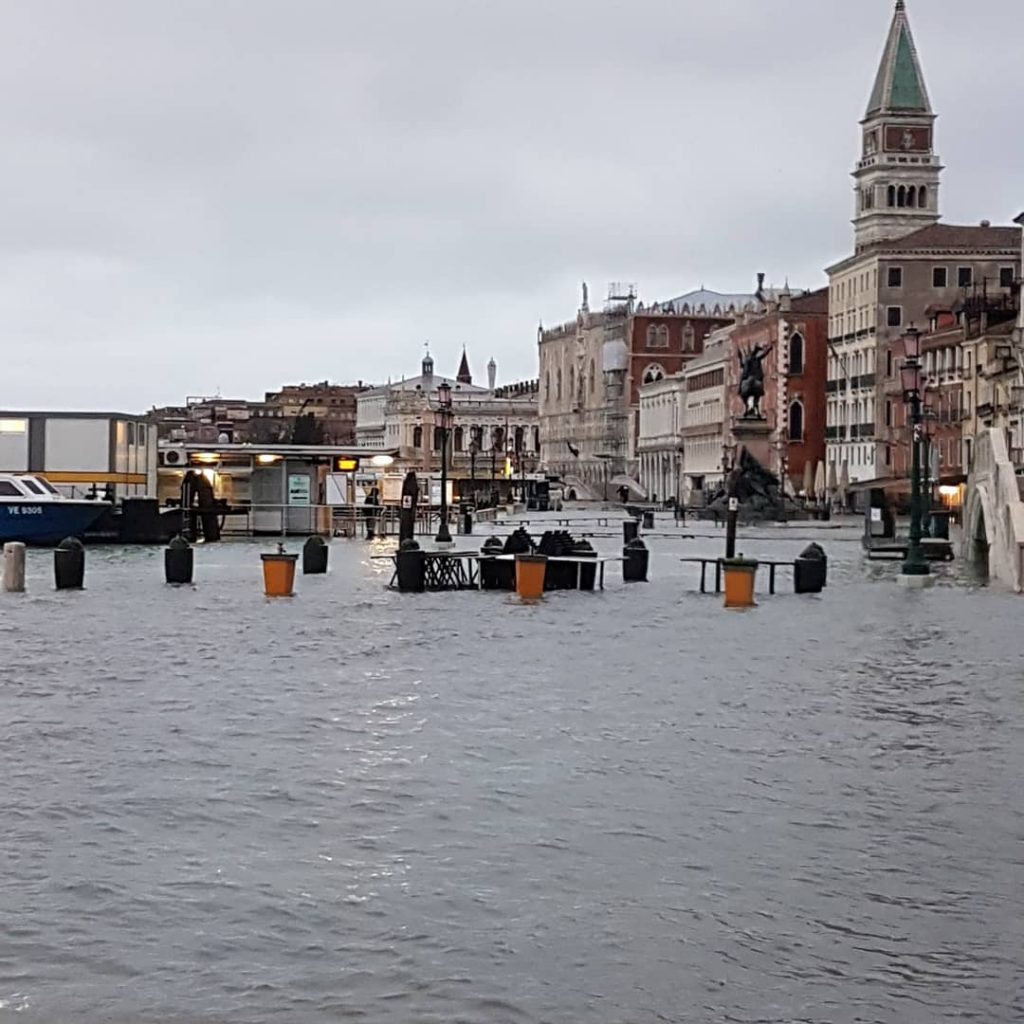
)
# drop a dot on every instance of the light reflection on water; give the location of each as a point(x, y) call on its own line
point(626, 807)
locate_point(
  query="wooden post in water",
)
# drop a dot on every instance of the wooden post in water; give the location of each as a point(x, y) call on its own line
point(14, 568)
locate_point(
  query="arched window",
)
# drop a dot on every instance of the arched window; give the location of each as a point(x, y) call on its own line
point(922, 197)
point(457, 439)
point(892, 195)
point(689, 338)
point(519, 439)
point(652, 336)
point(536, 439)
point(547, 385)
point(417, 437)
point(592, 376)
point(558, 384)
point(796, 354)
point(796, 421)
point(438, 435)
point(572, 382)
point(912, 196)
point(498, 438)
point(652, 373)
point(901, 196)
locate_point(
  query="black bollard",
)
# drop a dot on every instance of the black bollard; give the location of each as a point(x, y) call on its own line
point(69, 564)
point(648, 520)
point(314, 557)
point(179, 561)
point(810, 570)
point(411, 568)
point(630, 530)
point(489, 580)
point(634, 566)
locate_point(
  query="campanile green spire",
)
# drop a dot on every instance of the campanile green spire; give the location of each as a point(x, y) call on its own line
point(899, 85)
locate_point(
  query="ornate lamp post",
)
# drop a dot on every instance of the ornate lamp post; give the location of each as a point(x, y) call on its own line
point(444, 401)
point(910, 378)
point(728, 465)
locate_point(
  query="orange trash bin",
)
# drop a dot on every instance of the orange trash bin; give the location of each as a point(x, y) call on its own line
point(530, 570)
point(279, 573)
point(740, 574)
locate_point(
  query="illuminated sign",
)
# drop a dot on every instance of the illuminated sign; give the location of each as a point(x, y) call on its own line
point(345, 464)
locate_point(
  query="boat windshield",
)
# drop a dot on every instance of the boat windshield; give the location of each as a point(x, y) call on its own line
point(32, 485)
point(46, 485)
point(9, 490)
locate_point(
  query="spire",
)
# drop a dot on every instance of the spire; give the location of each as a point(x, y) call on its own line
point(899, 85)
point(464, 376)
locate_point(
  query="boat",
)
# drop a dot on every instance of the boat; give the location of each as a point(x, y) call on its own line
point(33, 511)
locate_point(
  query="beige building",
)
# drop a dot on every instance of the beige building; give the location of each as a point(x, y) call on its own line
point(493, 427)
point(905, 263)
point(583, 400)
point(706, 424)
point(659, 441)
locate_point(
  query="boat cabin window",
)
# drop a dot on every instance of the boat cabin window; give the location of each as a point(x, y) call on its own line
point(8, 490)
point(47, 486)
point(32, 485)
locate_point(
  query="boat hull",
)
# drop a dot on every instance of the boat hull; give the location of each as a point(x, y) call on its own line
point(47, 522)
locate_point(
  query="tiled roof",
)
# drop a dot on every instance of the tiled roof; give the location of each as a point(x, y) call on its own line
point(977, 237)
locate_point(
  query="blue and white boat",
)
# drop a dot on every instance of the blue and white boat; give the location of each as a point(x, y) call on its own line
point(33, 511)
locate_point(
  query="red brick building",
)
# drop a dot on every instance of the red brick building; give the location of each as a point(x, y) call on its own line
point(795, 329)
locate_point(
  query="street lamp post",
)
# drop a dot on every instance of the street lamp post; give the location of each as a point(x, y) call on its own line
point(728, 465)
point(444, 401)
point(474, 450)
point(915, 564)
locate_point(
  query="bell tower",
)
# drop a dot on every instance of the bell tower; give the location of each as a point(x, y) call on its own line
point(897, 177)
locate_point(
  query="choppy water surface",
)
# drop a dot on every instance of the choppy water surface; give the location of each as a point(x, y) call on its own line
point(622, 807)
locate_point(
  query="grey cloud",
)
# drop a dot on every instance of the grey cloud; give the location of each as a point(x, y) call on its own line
point(236, 194)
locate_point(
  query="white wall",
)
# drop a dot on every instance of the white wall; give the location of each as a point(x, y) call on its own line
point(78, 445)
point(14, 445)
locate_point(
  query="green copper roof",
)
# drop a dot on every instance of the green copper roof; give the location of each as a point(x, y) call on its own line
point(900, 83)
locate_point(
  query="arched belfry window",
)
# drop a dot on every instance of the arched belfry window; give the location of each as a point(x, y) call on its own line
point(652, 373)
point(417, 437)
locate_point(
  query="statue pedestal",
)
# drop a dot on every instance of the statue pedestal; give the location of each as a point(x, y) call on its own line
point(755, 436)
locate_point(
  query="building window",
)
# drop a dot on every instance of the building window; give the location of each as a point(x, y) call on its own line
point(519, 434)
point(895, 277)
point(572, 382)
point(940, 277)
point(657, 336)
point(796, 354)
point(922, 197)
point(131, 435)
point(547, 385)
point(1006, 277)
point(593, 376)
point(964, 277)
point(888, 455)
point(888, 363)
point(457, 439)
point(438, 437)
point(892, 195)
point(894, 316)
point(558, 385)
point(536, 439)
point(417, 437)
point(689, 339)
point(796, 421)
point(141, 437)
point(652, 373)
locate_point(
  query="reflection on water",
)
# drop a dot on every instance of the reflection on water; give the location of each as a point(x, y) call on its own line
point(618, 807)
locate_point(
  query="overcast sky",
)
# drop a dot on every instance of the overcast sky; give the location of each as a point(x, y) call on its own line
point(225, 195)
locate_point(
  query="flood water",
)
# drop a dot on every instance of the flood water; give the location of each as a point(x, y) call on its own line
point(621, 808)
